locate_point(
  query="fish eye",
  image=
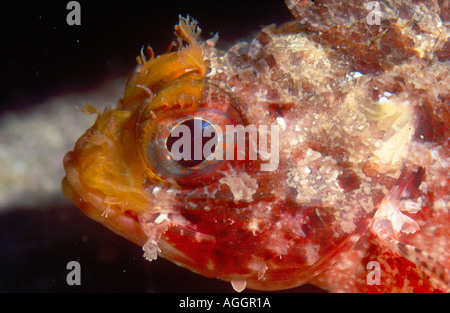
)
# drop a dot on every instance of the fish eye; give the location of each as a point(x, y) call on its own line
point(184, 141)
point(192, 142)
point(191, 150)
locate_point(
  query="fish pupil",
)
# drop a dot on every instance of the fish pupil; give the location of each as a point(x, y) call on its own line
point(197, 135)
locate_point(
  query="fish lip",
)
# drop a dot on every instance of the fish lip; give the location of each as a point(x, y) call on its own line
point(124, 224)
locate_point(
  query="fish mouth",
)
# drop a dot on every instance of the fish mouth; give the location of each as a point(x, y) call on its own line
point(124, 224)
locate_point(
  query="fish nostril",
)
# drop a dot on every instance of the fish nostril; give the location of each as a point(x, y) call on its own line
point(186, 142)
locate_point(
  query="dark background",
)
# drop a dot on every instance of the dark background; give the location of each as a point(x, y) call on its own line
point(44, 57)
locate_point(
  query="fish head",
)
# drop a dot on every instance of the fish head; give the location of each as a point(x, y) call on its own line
point(233, 165)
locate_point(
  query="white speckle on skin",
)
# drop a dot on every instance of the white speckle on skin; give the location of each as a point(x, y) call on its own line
point(156, 190)
point(242, 186)
point(282, 122)
point(306, 170)
point(353, 75)
point(383, 100)
point(312, 155)
point(311, 253)
point(253, 226)
point(161, 218)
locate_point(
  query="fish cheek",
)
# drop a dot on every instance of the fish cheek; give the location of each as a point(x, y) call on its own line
point(106, 165)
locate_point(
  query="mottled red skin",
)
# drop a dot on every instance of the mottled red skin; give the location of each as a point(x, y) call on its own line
point(426, 252)
point(318, 217)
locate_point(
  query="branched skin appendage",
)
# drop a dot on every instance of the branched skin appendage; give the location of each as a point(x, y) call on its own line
point(362, 163)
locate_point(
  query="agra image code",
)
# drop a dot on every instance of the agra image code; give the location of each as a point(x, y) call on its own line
point(227, 303)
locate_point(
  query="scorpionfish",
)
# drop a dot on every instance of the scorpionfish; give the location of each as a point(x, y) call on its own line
point(315, 153)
